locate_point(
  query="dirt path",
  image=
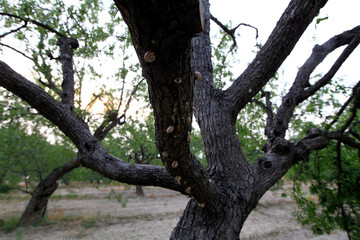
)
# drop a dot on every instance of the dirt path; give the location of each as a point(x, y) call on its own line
point(117, 213)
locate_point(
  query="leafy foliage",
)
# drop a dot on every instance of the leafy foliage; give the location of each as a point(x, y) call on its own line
point(223, 54)
point(32, 28)
point(332, 175)
point(28, 157)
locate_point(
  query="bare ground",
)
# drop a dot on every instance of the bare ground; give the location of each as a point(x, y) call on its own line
point(116, 212)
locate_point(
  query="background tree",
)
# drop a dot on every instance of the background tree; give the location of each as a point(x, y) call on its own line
point(171, 39)
point(138, 144)
point(333, 173)
point(64, 65)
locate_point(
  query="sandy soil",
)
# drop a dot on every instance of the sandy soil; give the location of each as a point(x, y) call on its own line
point(99, 213)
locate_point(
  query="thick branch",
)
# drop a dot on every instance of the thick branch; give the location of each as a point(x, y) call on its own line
point(66, 54)
point(279, 151)
point(91, 153)
point(301, 88)
point(66, 57)
point(283, 155)
point(352, 38)
point(44, 104)
point(281, 42)
point(164, 30)
point(344, 139)
point(136, 174)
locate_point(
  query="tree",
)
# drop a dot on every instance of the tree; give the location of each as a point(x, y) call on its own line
point(138, 144)
point(171, 39)
point(38, 18)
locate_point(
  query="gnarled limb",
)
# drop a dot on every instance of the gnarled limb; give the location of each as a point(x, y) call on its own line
point(36, 208)
point(170, 26)
point(280, 154)
point(301, 88)
point(92, 154)
point(281, 42)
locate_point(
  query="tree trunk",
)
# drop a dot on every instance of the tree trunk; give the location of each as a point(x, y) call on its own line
point(199, 223)
point(139, 191)
point(36, 208)
point(223, 195)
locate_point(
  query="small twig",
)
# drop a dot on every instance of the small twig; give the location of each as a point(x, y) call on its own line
point(267, 108)
point(34, 22)
point(356, 95)
point(18, 189)
point(13, 31)
point(352, 132)
point(122, 93)
point(105, 127)
point(232, 31)
point(335, 67)
point(132, 94)
point(341, 111)
point(5, 45)
point(248, 25)
point(51, 85)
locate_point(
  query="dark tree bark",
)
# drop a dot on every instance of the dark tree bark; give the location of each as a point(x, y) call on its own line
point(172, 42)
point(224, 195)
point(36, 207)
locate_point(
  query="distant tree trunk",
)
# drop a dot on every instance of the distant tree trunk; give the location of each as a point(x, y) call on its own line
point(2, 176)
point(139, 191)
point(36, 208)
point(3, 188)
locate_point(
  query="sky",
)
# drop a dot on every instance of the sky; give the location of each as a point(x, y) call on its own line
point(342, 15)
point(263, 14)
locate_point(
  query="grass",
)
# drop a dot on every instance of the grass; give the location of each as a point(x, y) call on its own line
point(87, 223)
point(9, 224)
point(11, 197)
point(72, 196)
point(65, 196)
point(77, 222)
point(90, 222)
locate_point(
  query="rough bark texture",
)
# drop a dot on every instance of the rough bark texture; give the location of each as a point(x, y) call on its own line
point(220, 205)
point(172, 41)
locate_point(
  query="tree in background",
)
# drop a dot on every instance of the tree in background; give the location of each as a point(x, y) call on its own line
point(171, 39)
point(333, 173)
point(49, 35)
point(138, 144)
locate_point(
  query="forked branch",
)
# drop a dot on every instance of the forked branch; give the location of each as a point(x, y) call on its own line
point(281, 42)
point(232, 31)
